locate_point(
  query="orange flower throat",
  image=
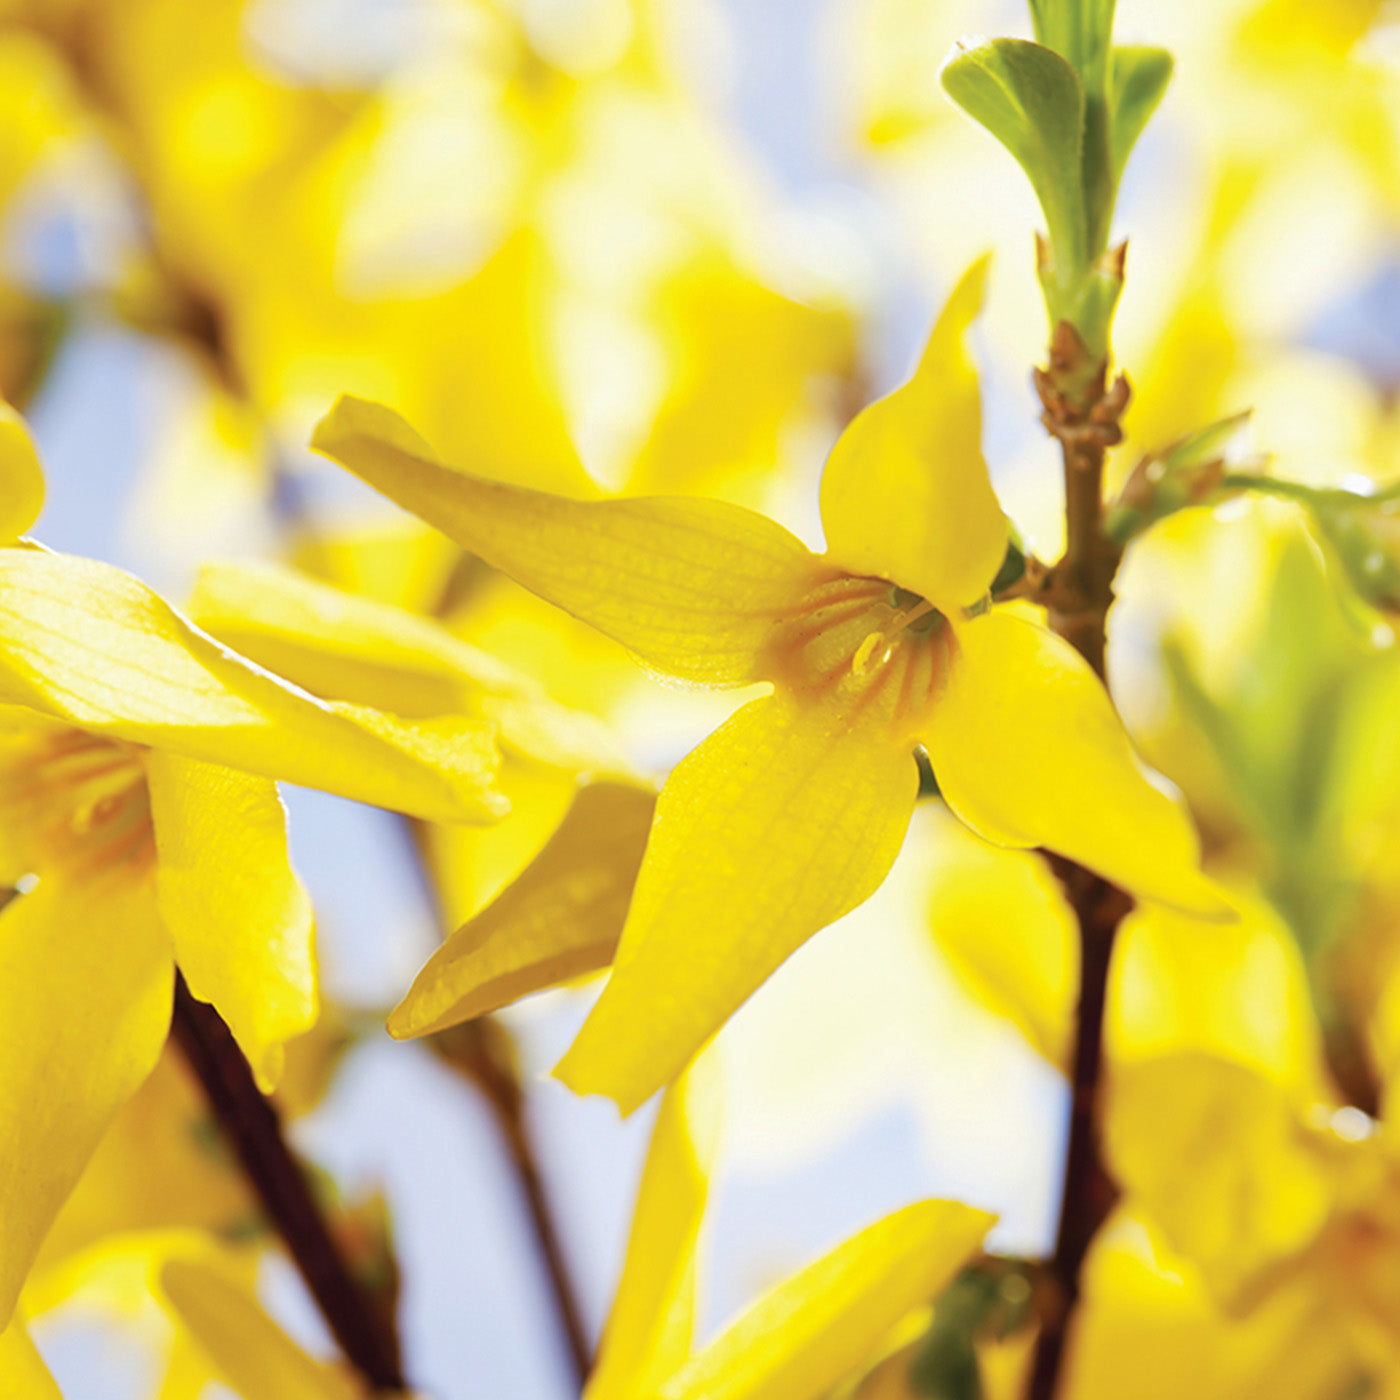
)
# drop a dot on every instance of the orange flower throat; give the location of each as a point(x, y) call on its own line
point(74, 801)
point(878, 644)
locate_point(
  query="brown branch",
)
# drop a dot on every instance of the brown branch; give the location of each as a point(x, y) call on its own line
point(251, 1124)
point(1349, 1060)
point(481, 1051)
point(1084, 416)
point(1078, 592)
point(1088, 1193)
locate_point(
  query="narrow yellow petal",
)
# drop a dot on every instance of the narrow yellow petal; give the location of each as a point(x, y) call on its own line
point(155, 1167)
point(23, 1375)
point(692, 587)
point(649, 1330)
point(906, 495)
point(343, 647)
point(188, 1374)
point(813, 1330)
point(85, 996)
point(251, 1352)
point(117, 1274)
point(238, 918)
point(537, 728)
point(785, 818)
point(1150, 1329)
point(1029, 751)
point(559, 920)
point(471, 865)
point(335, 644)
point(21, 476)
point(82, 641)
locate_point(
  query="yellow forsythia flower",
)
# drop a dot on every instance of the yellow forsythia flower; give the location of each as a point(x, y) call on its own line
point(793, 811)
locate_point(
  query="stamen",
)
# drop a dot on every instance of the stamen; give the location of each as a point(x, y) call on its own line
point(77, 800)
point(884, 639)
point(860, 662)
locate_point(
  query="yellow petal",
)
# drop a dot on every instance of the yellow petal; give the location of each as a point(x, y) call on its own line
point(1029, 751)
point(85, 996)
point(252, 1353)
point(813, 1330)
point(337, 645)
point(730, 340)
point(535, 727)
point(342, 647)
point(1001, 919)
point(1216, 1156)
point(559, 920)
point(691, 586)
point(23, 1375)
point(471, 865)
point(238, 917)
point(906, 495)
point(781, 821)
point(117, 1275)
point(188, 1375)
point(21, 476)
point(156, 1166)
point(1148, 1328)
point(649, 1329)
point(84, 642)
point(1236, 991)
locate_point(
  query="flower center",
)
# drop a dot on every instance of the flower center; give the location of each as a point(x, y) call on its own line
point(872, 641)
point(74, 801)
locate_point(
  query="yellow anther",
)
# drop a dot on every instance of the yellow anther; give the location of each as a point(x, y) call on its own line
point(860, 662)
point(882, 640)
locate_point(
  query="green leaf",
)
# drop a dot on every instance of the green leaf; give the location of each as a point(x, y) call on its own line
point(1188, 472)
point(1138, 79)
point(1080, 32)
point(1028, 97)
point(989, 1299)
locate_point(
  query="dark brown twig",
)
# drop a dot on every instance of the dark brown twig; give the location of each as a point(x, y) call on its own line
point(254, 1130)
point(481, 1051)
point(1088, 1193)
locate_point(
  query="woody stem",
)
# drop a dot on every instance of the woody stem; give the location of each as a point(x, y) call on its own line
point(1078, 594)
point(253, 1128)
point(482, 1051)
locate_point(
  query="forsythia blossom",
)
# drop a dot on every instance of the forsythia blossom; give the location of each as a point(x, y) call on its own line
point(793, 811)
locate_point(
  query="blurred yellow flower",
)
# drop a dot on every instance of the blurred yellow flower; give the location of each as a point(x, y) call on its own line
point(241, 1344)
point(1265, 1188)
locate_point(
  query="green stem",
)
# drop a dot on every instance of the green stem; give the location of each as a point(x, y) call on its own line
point(1273, 486)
